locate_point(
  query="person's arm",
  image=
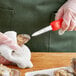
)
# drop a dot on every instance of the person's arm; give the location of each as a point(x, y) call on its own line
point(68, 13)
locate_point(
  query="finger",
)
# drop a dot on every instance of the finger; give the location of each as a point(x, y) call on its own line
point(72, 25)
point(59, 14)
point(66, 20)
point(62, 30)
point(64, 26)
point(67, 17)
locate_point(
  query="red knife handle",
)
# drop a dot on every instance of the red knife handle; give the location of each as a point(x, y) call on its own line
point(56, 25)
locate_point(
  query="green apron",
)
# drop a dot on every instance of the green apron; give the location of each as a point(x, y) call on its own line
point(28, 16)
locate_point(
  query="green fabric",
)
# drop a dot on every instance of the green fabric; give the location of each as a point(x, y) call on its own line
point(28, 16)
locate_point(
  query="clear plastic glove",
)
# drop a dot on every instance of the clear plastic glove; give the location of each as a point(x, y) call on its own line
point(68, 13)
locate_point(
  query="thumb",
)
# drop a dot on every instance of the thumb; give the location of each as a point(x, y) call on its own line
point(62, 30)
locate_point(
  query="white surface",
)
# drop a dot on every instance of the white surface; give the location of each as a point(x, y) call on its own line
point(47, 71)
point(48, 28)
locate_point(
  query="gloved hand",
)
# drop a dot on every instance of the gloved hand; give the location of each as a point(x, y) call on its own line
point(68, 13)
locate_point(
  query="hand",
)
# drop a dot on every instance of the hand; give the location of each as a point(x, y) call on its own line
point(68, 13)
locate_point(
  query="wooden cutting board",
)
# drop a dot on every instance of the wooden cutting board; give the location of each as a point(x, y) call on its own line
point(47, 60)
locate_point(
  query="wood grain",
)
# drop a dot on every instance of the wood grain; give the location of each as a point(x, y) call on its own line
point(46, 60)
